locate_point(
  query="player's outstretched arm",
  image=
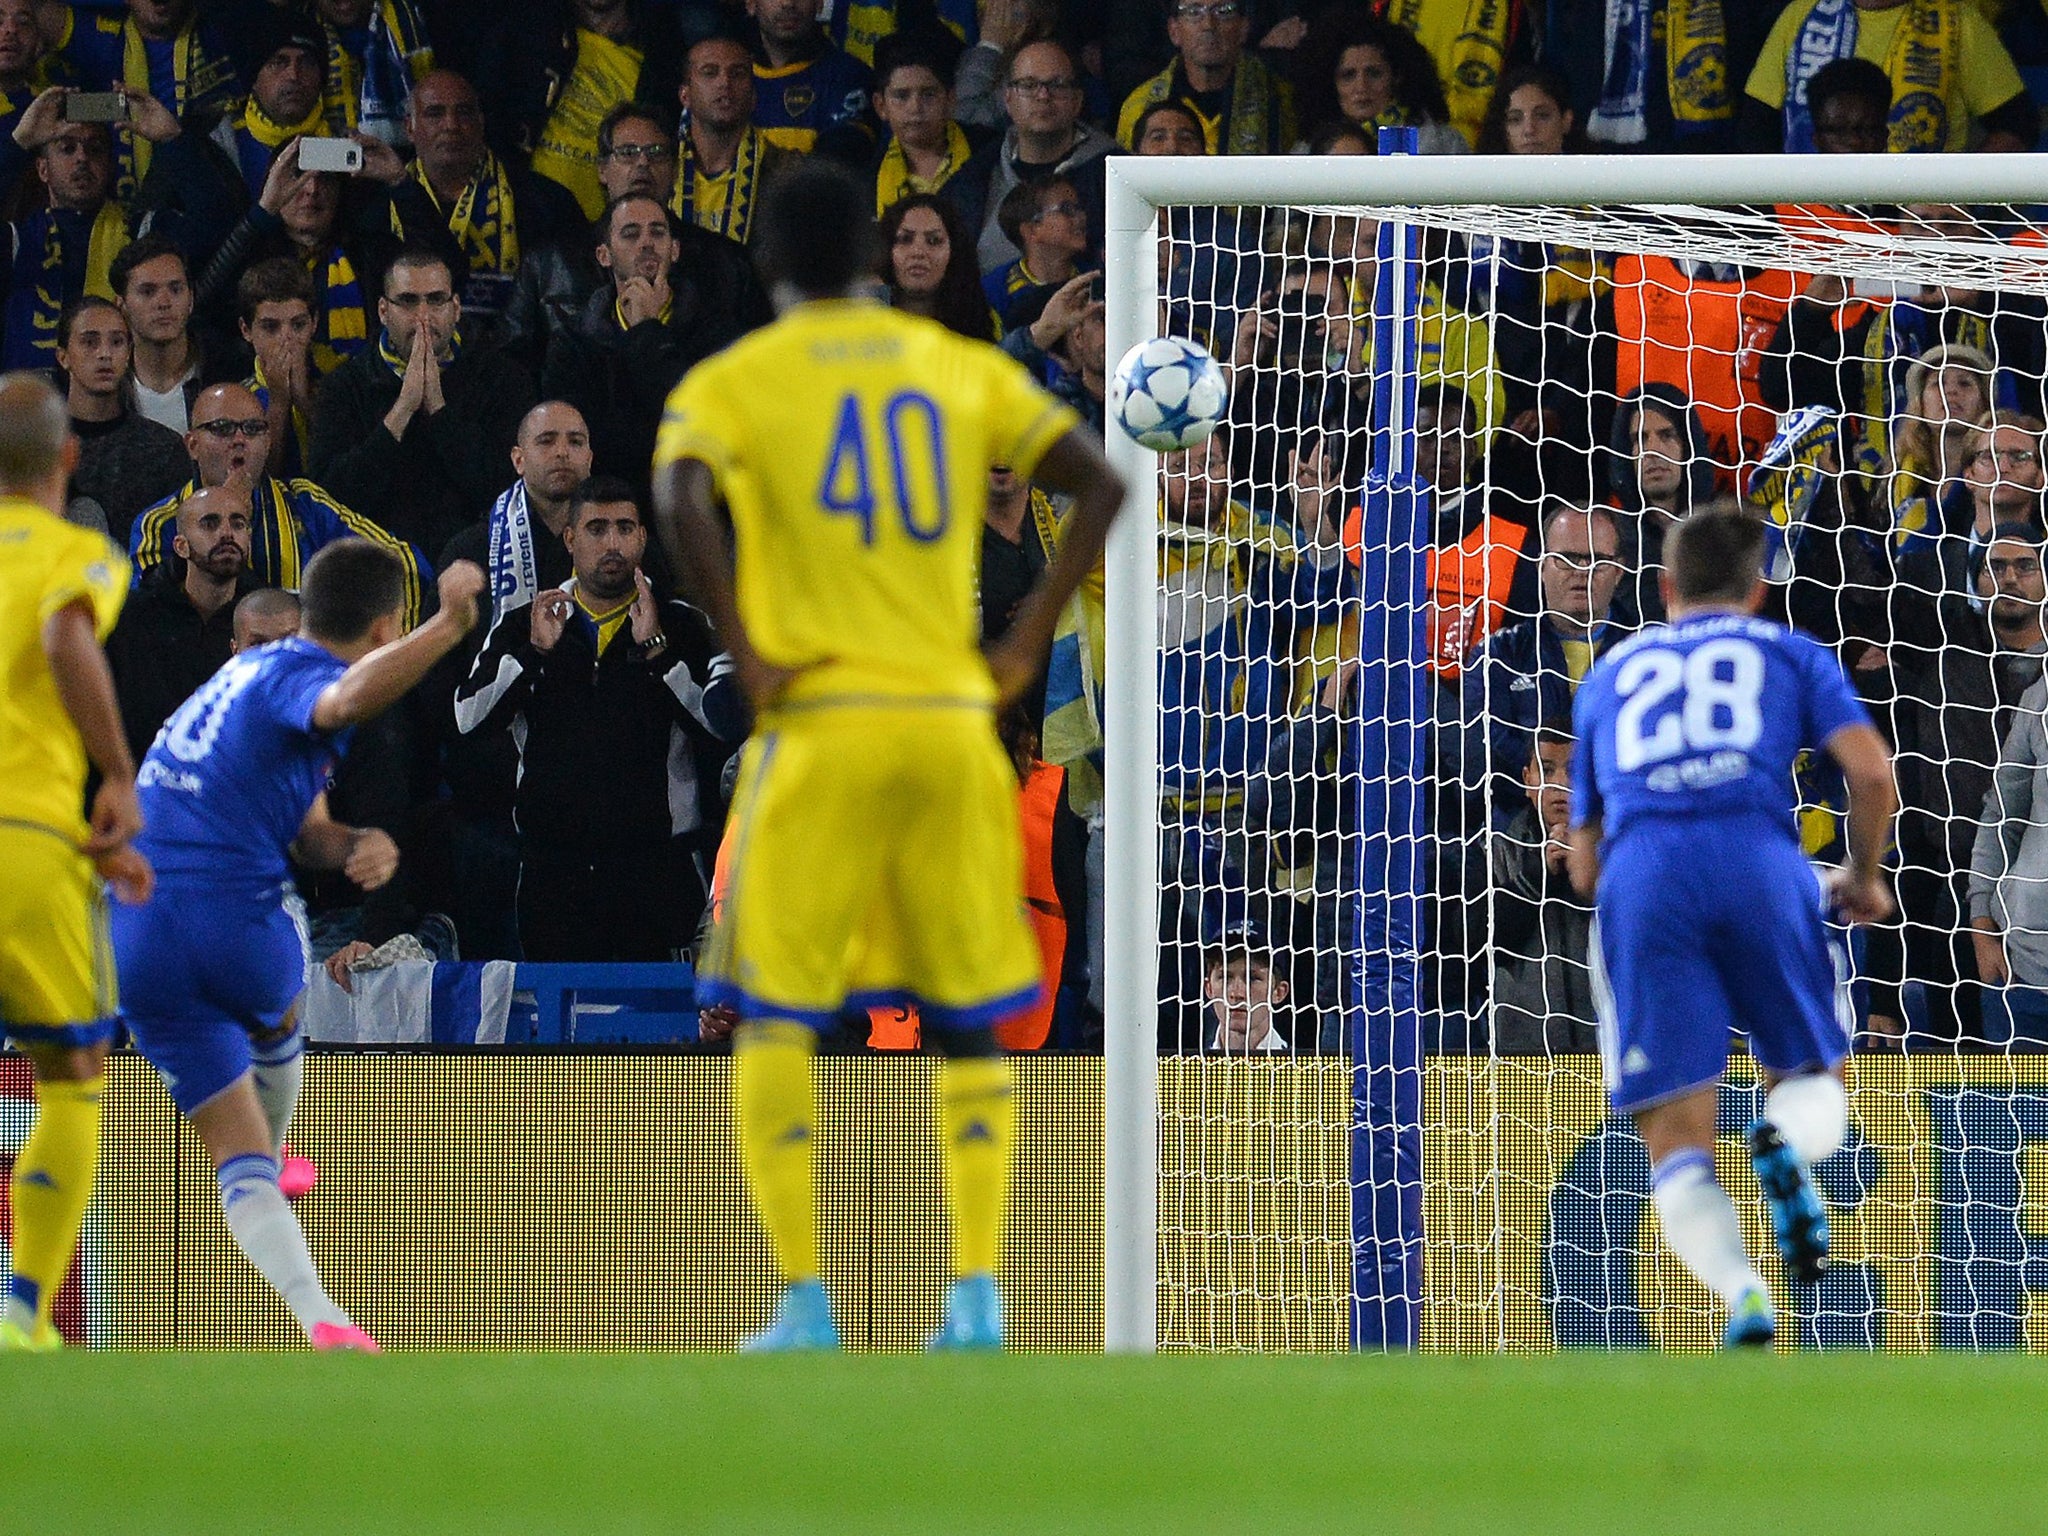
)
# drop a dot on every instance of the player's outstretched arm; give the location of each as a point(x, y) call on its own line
point(1074, 466)
point(86, 688)
point(380, 679)
point(1866, 764)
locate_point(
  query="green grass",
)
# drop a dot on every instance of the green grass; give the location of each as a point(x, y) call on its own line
point(248, 1444)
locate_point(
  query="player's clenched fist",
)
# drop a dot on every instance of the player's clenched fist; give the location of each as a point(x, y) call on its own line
point(460, 586)
point(372, 858)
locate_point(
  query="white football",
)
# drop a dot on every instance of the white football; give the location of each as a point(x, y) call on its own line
point(1167, 393)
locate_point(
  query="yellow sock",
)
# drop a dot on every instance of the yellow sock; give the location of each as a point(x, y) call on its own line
point(52, 1183)
point(977, 1122)
point(773, 1105)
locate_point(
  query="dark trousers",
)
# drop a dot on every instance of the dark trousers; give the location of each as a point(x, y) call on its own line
point(608, 904)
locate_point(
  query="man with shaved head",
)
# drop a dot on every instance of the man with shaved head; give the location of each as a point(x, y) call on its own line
point(266, 615)
point(178, 627)
point(482, 214)
point(520, 542)
point(61, 588)
point(289, 520)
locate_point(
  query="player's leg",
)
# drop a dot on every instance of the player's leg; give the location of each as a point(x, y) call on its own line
point(977, 1121)
point(1664, 1022)
point(240, 1140)
point(1796, 1009)
point(57, 998)
point(800, 878)
point(775, 1113)
point(1698, 1219)
point(52, 1185)
point(965, 948)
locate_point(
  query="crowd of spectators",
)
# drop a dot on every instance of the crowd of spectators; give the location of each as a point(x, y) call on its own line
point(461, 343)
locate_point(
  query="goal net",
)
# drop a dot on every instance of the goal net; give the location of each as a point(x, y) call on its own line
point(1355, 1097)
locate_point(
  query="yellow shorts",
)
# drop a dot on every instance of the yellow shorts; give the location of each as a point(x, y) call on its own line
point(56, 960)
point(875, 858)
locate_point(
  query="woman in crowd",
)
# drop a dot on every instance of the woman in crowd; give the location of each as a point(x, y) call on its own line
point(1948, 390)
point(1540, 297)
point(929, 269)
point(1356, 68)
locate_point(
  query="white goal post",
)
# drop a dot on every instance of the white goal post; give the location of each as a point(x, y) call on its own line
point(1139, 189)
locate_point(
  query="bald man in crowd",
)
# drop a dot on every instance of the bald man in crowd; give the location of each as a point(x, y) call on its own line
point(289, 520)
point(178, 626)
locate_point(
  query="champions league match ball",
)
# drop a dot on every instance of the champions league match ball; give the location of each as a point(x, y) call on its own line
point(1167, 393)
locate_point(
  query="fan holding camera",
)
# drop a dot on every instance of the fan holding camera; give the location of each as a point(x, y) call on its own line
point(66, 251)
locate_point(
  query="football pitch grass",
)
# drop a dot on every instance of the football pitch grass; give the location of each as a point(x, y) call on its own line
point(1583, 1444)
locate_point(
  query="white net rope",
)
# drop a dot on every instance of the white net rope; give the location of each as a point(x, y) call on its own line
point(1582, 379)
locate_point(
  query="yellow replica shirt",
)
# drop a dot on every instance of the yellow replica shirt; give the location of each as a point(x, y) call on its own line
point(1984, 77)
point(852, 444)
point(45, 565)
point(605, 74)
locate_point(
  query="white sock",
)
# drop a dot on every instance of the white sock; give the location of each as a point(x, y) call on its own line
point(280, 1072)
point(1811, 1112)
point(266, 1230)
point(1700, 1223)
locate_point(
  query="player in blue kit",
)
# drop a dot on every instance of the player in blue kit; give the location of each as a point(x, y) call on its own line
point(1709, 917)
point(232, 790)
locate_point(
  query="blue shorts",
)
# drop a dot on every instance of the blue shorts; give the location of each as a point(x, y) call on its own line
point(1703, 928)
point(201, 971)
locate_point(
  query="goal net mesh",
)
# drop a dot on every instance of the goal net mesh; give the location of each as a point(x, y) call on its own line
point(1367, 647)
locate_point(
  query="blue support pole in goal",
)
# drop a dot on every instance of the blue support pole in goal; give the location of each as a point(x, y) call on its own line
point(1385, 749)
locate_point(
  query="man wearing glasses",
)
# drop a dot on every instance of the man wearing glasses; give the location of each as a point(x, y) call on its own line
point(637, 157)
point(1243, 107)
point(1046, 137)
point(1527, 673)
point(289, 520)
point(413, 430)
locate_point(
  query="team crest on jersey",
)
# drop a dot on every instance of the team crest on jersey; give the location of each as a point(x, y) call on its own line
point(797, 101)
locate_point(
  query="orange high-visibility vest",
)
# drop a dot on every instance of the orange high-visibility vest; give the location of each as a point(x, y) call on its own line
point(1706, 339)
point(1468, 581)
point(900, 1028)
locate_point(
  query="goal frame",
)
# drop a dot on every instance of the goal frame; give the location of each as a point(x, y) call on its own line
point(1139, 188)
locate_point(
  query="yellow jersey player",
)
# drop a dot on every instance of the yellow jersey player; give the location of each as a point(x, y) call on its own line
point(60, 590)
point(875, 843)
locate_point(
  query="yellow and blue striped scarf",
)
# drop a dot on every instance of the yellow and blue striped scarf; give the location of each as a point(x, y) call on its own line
point(483, 221)
point(373, 94)
point(343, 327)
point(733, 214)
point(895, 180)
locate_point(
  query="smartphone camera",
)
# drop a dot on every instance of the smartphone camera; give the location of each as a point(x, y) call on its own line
point(95, 107)
point(343, 155)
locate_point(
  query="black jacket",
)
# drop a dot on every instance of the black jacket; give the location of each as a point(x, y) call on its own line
point(555, 283)
point(444, 474)
point(127, 466)
point(598, 735)
point(523, 67)
point(161, 650)
point(620, 378)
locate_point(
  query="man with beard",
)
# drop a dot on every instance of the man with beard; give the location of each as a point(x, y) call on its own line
point(289, 520)
point(178, 627)
point(125, 460)
point(412, 431)
point(636, 338)
point(724, 159)
point(626, 713)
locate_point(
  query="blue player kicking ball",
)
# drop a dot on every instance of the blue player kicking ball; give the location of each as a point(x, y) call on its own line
point(1709, 918)
point(232, 791)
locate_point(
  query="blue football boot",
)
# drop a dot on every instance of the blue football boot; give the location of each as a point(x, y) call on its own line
point(803, 1323)
point(1751, 1322)
point(1799, 1217)
point(974, 1317)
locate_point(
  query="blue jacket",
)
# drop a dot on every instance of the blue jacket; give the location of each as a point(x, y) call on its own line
point(1519, 679)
